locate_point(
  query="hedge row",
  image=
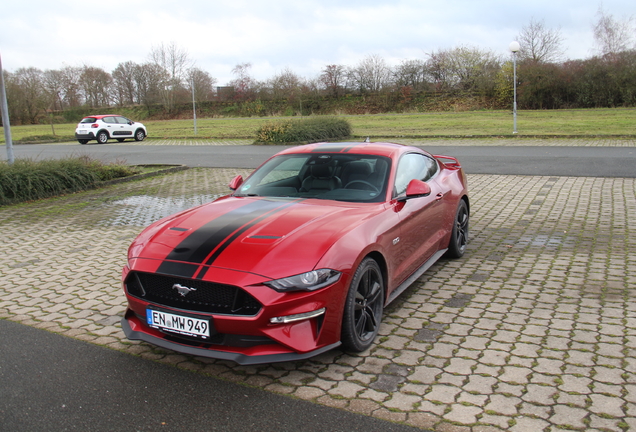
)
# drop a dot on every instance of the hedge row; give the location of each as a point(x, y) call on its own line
point(315, 129)
point(27, 180)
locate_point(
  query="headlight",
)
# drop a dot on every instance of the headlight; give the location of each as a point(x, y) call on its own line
point(309, 281)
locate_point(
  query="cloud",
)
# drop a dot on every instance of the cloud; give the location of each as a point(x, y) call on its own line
point(302, 35)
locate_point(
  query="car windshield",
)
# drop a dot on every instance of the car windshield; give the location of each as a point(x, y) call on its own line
point(333, 176)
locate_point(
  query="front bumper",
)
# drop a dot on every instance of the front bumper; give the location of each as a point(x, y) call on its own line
point(243, 358)
point(252, 335)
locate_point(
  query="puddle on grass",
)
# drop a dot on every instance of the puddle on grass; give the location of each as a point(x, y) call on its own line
point(143, 210)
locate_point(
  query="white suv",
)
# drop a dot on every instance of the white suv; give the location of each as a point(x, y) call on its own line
point(104, 127)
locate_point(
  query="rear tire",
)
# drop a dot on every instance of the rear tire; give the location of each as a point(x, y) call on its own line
point(102, 137)
point(363, 307)
point(459, 236)
point(83, 141)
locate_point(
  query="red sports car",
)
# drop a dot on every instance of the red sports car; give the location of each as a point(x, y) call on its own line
point(301, 258)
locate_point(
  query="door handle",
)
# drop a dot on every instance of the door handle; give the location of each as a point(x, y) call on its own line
point(439, 196)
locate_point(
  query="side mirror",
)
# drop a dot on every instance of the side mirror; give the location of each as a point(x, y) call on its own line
point(416, 188)
point(236, 182)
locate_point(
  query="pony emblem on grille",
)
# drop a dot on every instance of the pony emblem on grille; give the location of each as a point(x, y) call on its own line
point(183, 290)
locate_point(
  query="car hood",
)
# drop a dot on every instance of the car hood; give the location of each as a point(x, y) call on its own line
point(266, 237)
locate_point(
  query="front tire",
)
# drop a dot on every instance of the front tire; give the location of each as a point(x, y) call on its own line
point(363, 307)
point(140, 135)
point(459, 236)
point(102, 137)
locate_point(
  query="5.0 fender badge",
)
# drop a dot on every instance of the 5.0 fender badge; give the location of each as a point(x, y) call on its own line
point(183, 290)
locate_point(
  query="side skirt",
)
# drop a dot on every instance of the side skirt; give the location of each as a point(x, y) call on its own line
point(419, 272)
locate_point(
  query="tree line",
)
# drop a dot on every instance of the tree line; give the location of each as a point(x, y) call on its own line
point(462, 77)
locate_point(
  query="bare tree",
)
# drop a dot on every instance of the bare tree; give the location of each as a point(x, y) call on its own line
point(176, 63)
point(71, 83)
point(333, 78)
point(203, 84)
point(286, 84)
point(371, 74)
point(95, 84)
point(53, 81)
point(244, 85)
point(439, 70)
point(149, 79)
point(540, 44)
point(611, 35)
point(412, 73)
point(463, 68)
point(33, 97)
point(26, 91)
point(124, 83)
point(474, 68)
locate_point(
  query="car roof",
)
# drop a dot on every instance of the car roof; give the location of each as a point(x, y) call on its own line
point(371, 148)
point(99, 116)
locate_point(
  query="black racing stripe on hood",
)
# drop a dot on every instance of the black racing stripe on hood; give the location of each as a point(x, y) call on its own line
point(179, 269)
point(233, 237)
point(200, 243)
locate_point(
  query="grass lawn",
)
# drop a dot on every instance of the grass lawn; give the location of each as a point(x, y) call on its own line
point(608, 122)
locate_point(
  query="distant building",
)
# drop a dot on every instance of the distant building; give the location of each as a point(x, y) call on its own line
point(225, 93)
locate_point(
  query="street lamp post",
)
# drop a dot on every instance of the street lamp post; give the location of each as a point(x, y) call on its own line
point(194, 108)
point(4, 111)
point(514, 47)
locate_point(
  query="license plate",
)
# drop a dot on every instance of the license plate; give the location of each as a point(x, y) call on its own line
point(82, 131)
point(180, 324)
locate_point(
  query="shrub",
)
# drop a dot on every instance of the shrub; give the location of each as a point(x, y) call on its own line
point(309, 130)
point(27, 180)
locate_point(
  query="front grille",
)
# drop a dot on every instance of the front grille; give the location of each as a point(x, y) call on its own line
point(204, 296)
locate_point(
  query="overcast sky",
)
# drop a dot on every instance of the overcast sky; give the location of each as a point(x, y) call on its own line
point(272, 35)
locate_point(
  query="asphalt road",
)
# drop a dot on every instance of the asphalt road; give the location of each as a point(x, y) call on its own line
point(50, 382)
point(515, 160)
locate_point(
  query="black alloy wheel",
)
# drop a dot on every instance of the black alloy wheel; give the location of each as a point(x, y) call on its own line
point(459, 236)
point(363, 307)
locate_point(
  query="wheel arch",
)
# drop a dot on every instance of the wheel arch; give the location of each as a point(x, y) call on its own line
point(381, 261)
point(467, 201)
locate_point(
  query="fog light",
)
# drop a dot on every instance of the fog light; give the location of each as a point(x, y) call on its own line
point(298, 317)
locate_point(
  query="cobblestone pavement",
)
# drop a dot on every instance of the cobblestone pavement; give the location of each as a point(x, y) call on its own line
point(500, 142)
point(534, 329)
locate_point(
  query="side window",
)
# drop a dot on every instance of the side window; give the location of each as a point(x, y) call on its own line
point(109, 120)
point(413, 166)
point(432, 167)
